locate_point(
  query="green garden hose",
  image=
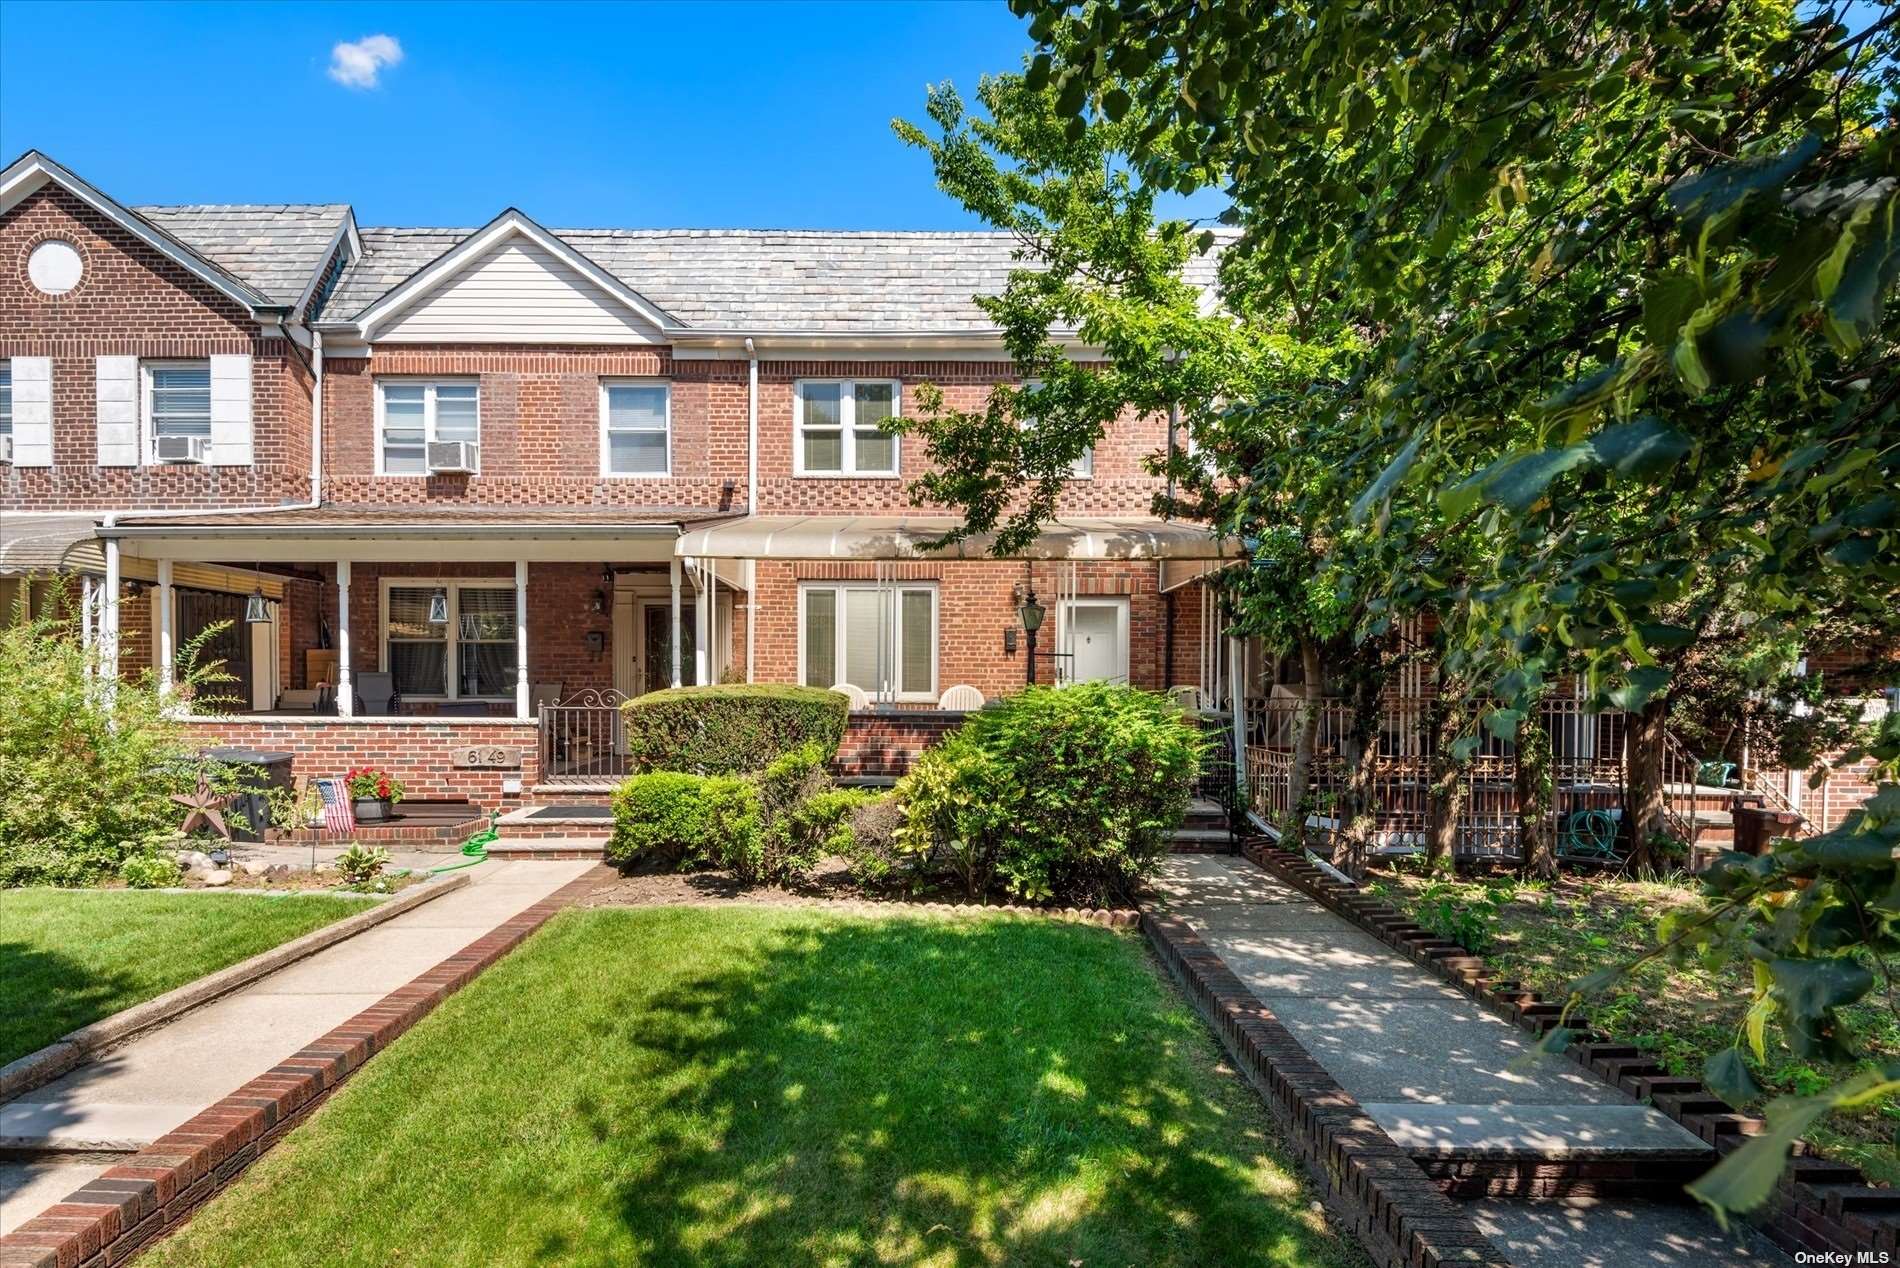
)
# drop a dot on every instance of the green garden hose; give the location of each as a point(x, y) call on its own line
point(475, 848)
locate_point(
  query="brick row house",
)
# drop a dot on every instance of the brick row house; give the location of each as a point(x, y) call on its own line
point(446, 492)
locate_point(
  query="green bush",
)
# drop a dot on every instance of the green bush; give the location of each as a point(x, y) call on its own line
point(861, 828)
point(675, 819)
point(150, 869)
point(361, 865)
point(731, 730)
point(787, 847)
point(1065, 794)
point(87, 776)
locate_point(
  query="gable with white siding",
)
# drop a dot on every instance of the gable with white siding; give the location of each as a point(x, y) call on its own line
point(518, 291)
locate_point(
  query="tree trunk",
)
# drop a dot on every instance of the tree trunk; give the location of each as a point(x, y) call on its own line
point(1443, 793)
point(1305, 735)
point(1643, 755)
point(1357, 815)
point(1536, 832)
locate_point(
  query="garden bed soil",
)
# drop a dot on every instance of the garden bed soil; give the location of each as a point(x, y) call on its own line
point(1548, 935)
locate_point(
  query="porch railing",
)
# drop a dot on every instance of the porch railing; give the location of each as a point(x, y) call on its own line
point(582, 740)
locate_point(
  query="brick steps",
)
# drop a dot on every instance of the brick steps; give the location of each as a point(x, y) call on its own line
point(550, 847)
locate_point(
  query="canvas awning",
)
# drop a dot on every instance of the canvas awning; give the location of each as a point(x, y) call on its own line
point(49, 543)
point(872, 537)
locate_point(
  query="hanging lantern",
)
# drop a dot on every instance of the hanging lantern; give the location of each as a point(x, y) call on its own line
point(439, 607)
point(257, 609)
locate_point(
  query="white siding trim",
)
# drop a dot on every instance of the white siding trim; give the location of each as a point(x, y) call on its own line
point(231, 411)
point(116, 400)
point(32, 411)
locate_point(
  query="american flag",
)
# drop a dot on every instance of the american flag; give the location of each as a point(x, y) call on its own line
point(336, 806)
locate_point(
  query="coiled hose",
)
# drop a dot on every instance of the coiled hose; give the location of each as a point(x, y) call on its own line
point(475, 849)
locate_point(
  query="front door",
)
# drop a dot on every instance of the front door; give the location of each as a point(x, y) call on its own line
point(655, 668)
point(1097, 638)
point(198, 610)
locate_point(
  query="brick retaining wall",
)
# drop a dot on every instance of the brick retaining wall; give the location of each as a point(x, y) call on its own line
point(887, 743)
point(418, 751)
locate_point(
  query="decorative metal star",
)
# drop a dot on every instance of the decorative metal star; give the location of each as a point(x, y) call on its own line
point(207, 809)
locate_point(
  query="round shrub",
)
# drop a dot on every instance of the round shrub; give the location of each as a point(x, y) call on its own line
point(150, 869)
point(730, 730)
point(1058, 794)
point(673, 818)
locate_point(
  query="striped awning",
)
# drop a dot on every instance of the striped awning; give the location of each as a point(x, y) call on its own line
point(49, 543)
point(911, 537)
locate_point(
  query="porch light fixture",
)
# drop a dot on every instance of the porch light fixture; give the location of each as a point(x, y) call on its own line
point(256, 608)
point(439, 607)
point(1031, 613)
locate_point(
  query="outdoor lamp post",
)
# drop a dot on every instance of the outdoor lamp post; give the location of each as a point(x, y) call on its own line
point(1031, 613)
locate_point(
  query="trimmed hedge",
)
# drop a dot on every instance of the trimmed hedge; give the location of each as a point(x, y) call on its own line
point(733, 729)
point(673, 818)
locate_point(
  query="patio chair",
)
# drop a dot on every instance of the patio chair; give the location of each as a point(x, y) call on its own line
point(859, 701)
point(1715, 774)
point(961, 697)
point(375, 694)
point(1589, 836)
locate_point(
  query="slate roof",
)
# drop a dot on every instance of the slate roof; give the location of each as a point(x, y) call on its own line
point(757, 280)
point(272, 248)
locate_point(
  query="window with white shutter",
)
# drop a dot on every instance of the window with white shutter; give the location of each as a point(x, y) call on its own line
point(178, 397)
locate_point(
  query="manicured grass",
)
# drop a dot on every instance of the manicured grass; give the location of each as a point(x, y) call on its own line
point(756, 1086)
point(68, 959)
point(1547, 936)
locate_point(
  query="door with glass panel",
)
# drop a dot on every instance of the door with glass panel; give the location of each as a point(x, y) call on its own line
point(656, 646)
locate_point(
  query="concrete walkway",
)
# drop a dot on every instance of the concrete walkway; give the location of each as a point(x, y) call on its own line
point(65, 1133)
point(1441, 1074)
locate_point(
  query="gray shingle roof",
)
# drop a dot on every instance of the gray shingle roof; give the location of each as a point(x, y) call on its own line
point(275, 249)
point(757, 280)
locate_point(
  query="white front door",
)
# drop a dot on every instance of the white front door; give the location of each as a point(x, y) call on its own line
point(1095, 636)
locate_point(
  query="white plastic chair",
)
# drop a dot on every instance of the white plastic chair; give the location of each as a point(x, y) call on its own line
point(859, 701)
point(1187, 697)
point(961, 697)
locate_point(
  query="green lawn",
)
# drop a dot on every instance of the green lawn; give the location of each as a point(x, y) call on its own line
point(756, 1086)
point(67, 959)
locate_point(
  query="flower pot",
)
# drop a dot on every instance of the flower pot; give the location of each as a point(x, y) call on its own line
point(369, 809)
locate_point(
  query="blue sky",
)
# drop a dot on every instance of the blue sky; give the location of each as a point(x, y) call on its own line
point(763, 115)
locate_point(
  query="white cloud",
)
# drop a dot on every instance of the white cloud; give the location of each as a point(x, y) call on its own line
point(357, 63)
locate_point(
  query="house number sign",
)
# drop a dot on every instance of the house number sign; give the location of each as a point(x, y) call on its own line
point(486, 757)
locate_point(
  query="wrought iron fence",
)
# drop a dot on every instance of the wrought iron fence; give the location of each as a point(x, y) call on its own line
point(582, 738)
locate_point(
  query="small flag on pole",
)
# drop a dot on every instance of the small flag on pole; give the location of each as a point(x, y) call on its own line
point(336, 806)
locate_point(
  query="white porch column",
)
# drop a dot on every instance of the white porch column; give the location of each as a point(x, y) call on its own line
point(675, 573)
point(88, 617)
point(1237, 696)
point(167, 636)
point(704, 597)
point(751, 613)
point(109, 620)
point(522, 697)
point(345, 690)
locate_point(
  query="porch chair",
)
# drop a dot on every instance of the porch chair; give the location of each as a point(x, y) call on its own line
point(375, 694)
point(859, 701)
point(1589, 836)
point(1715, 774)
point(543, 693)
point(1188, 698)
point(961, 698)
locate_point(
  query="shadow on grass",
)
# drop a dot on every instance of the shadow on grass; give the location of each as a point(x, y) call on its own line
point(951, 1092)
point(46, 994)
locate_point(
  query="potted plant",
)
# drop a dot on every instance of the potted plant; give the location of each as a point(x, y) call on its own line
point(372, 791)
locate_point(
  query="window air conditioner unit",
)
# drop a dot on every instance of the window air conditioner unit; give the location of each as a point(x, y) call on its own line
point(6, 448)
point(193, 449)
point(454, 456)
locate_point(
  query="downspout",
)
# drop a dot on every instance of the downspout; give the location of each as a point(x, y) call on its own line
point(751, 498)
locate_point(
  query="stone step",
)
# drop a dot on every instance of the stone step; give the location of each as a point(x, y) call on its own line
point(564, 822)
point(1200, 841)
point(1548, 1133)
point(549, 848)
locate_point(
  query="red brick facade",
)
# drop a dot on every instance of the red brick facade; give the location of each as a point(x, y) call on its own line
point(421, 754)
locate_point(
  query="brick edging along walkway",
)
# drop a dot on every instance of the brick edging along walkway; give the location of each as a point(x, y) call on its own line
point(110, 1219)
point(1819, 1206)
point(1369, 1183)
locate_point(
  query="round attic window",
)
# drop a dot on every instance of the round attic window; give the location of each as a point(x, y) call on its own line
point(54, 267)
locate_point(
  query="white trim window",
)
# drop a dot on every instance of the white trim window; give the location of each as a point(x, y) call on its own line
point(413, 413)
point(469, 656)
point(6, 409)
point(1082, 468)
point(636, 428)
point(840, 427)
point(177, 398)
point(880, 638)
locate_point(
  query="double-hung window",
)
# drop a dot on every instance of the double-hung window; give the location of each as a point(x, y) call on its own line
point(635, 429)
point(6, 409)
point(1083, 468)
point(842, 427)
point(882, 639)
point(178, 398)
point(414, 413)
point(469, 655)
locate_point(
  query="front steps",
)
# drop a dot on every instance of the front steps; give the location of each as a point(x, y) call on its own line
point(567, 830)
point(1203, 831)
